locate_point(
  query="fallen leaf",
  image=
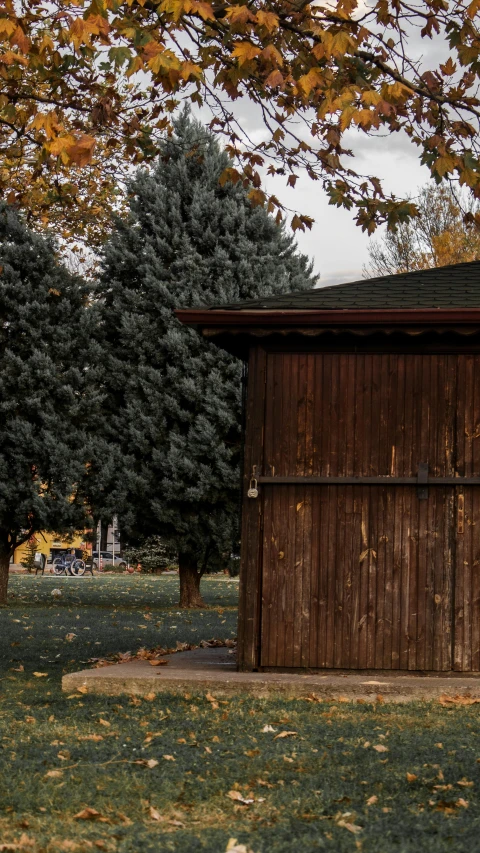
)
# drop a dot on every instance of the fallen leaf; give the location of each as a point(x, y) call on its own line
point(176, 823)
point(54, 774)
point(235, 795)
point(284, 734)
point(158, 662)
point(372, 800)
point(234, 847)
point(149, 697)
point(212, 700)
point(88, 814)
point(151, 763)
point(40, 674)
point(82, 689)
point(380, 748)
point(411, 777)
point(462, 803)
point(168, 758)
point(464, 783)
point(20, 668)
point(457, 700)
point(30, 720)
point(268, 728)
point(23, 842)
point(104, 722)
point(70, 637)
point(155, 814)
point(90, 737)
point(352, 827)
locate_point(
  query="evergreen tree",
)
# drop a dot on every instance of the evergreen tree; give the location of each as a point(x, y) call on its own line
point(45, 403)
point(175, 399)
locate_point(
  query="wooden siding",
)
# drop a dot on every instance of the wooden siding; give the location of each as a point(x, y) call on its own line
point(357, 576)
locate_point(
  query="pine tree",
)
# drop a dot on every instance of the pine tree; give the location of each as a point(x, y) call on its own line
point(45, 402)
point(174, 399)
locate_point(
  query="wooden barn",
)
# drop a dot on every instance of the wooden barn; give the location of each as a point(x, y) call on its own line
point(361, 507)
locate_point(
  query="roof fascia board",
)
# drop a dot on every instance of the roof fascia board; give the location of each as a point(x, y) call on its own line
point(212, 318)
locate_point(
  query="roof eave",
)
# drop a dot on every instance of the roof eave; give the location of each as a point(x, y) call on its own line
point(212, 318)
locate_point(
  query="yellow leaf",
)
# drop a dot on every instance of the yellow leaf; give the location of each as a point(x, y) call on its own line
point(7, 27)
point(169, 758)
point(284, 734)
point(311, 80)
point(54, 774)
point(239, 15)
point(268, 20)
point(244, 51)
point(204, 9)
point(380, 747)
point(104, 722)
point(411, 777)
point(41, 674)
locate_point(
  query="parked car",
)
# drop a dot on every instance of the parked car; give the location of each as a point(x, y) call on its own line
point(107, 557)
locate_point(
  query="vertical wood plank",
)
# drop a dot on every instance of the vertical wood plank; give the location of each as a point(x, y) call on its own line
point(250, 562)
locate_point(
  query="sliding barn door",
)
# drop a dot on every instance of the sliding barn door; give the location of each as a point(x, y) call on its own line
point(363, 576)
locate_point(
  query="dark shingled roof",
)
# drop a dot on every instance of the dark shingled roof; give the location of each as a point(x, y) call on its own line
point(455, 286)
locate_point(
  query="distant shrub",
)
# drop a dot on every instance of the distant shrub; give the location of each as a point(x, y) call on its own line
point(152, 555)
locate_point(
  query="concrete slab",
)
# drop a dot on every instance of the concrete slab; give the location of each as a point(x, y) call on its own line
point(214, 670)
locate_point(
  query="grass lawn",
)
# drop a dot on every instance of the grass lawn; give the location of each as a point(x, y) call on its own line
point(339, 783)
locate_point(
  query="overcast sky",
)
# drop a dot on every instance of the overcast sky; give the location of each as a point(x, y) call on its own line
point(336, 244)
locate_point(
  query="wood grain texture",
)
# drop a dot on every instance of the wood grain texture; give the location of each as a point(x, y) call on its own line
point(362, 576)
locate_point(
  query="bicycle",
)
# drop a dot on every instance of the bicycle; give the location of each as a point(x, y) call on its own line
point(74, 567)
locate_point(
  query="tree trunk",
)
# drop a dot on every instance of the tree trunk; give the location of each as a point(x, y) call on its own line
point(190, 579)
point(4, 570)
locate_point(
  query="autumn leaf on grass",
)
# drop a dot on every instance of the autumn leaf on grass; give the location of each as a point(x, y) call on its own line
point(235, 795)
point(212, 700)
point(54, 774)
point(234, 847)
point(104, 722)
point(150, 762)
point(40, 674)
point(372, 800)
point(268, 728)
point(446, 701)
point(90, 737)
point(22, 844)
point(380, 747)
point(284, 734)
point(90, 814)
point(169, 758)
point(155, 814)
point(20, 668)
point(352, 827)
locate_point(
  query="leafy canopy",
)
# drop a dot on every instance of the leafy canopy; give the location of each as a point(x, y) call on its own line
point(87, 86)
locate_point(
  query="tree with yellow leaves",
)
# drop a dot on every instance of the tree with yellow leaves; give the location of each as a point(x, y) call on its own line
point(88, 86)
point(436, 237)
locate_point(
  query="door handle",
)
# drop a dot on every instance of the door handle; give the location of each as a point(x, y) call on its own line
point(460, 513)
